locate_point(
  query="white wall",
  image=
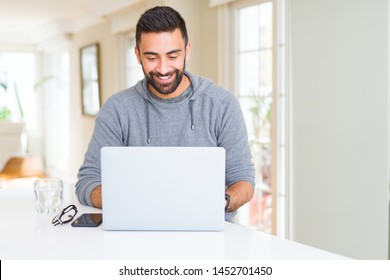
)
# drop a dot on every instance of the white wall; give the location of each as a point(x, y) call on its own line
point(340, 106)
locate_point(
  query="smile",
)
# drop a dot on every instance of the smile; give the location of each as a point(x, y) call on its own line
point(164, 77)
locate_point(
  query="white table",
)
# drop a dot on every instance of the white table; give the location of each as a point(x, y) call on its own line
point(25, 234)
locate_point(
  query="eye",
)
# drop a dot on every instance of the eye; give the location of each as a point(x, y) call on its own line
point(151, 58)
point(173, 56)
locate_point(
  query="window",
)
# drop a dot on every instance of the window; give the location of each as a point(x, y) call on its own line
point(254, 84)
point(17, 79)
point(56, 113)
point(18, 101)
point(133, 70)
point(41, 100)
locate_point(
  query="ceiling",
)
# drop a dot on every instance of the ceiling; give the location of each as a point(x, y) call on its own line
point(28, 21)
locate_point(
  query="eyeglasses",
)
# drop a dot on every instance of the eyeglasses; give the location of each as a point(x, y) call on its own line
point(65, 216)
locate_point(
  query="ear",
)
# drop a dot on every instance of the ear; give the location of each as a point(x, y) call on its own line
point(188, 48)
point(136, 51)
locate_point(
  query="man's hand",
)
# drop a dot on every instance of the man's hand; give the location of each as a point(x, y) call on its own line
point(240, 193)
point(96, 197)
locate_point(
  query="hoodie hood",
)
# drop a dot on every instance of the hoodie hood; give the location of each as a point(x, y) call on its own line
point(198, 86)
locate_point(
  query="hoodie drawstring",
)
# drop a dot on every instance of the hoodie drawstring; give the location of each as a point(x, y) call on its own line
point(147, 123)
point(192, 114)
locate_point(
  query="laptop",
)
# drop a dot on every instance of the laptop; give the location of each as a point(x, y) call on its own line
point(163, 188)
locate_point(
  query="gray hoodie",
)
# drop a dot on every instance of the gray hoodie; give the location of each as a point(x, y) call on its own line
point(210, 117)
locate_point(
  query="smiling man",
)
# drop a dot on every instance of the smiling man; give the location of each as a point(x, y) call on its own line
point(163, 64)
point(170, 107)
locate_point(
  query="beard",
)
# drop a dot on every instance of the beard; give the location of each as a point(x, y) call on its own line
point(165, 88)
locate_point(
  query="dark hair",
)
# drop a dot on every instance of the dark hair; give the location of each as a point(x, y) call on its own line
point(160, 19)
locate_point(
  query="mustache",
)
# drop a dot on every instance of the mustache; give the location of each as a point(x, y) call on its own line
point(156, 73)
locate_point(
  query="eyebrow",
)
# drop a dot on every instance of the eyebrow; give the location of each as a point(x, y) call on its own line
point(170, 52)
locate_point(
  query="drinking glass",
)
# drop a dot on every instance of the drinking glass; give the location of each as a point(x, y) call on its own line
point(48, 195)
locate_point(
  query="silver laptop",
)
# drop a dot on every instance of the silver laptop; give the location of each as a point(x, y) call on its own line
point(163, 188)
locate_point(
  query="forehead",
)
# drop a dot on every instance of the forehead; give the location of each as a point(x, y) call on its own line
point(162, 41)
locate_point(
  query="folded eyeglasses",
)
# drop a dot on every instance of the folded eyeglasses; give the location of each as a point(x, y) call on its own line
point(65, 216)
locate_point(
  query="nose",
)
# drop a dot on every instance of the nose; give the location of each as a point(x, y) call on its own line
point(163, 66)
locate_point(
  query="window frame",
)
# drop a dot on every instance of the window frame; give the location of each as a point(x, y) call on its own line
point(280, 108)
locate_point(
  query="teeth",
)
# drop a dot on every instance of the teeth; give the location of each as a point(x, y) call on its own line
point(164, 77)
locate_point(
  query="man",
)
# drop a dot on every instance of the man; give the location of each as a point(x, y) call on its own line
point(170, 107)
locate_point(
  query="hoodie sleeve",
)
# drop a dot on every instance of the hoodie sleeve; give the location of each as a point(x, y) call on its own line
point(107, 132)
point(233, 137)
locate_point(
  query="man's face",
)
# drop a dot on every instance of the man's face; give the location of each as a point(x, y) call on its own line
point(163, 58)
